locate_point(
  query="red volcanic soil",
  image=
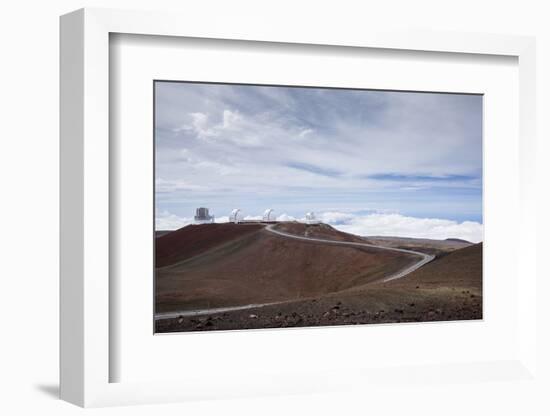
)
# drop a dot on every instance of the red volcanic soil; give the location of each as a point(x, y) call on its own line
point(459, 269)
point(447, 289)
point(252, 265)
point(192, 240)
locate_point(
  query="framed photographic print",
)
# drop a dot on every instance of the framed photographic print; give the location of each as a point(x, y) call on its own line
point(261, 211)
point(367, 227)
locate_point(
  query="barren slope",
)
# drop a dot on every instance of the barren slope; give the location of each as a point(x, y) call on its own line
point(425, 245)
point(259, 266)
point(461, 268)
point(191, 240)
point(449, 288)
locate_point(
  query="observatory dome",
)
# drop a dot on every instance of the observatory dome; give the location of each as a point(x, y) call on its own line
point(269, 215)
point(236, 216)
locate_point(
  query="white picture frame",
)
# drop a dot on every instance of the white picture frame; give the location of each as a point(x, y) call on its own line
point(85, 211)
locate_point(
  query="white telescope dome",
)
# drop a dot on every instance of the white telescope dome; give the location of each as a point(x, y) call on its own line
point(236, 216)
point(269, 215)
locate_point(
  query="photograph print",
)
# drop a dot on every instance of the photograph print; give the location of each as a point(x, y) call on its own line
point(287, 206)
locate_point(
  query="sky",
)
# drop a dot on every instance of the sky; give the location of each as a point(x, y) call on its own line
point(366, 162)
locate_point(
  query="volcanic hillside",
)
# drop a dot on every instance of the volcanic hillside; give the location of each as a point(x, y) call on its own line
point(424, 245)
point(448, 288)
point(192, 240)
point(216, 265)
point(459, 269)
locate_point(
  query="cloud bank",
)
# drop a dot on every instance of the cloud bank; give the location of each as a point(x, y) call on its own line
point(370, 224)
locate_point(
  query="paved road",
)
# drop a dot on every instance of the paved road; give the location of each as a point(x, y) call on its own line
point(424, 258)
point(198, 312)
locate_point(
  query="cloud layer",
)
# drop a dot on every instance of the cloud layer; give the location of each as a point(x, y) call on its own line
point(370, 224)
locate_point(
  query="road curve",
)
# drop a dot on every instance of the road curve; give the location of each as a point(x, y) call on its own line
point(424, 258)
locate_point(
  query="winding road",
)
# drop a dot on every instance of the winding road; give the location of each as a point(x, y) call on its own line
point(424, 258)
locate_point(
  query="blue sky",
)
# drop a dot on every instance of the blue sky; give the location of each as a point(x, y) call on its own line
point(353, 152)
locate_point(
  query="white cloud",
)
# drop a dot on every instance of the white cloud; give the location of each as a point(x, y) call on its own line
point(305, 132)
point(253, 217)
point(162, 185)
point(200, 125)
point(230, 119)
point(167, 221)
point(380, 224)
point(285, 217)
